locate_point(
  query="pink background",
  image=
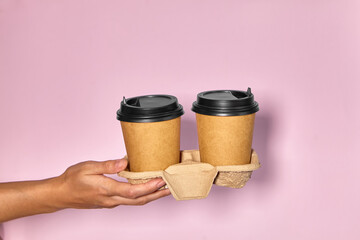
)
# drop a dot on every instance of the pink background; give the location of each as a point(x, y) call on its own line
point(65, 65)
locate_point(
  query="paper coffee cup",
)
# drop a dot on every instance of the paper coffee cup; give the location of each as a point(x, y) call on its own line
point(225, 124)
point(151, 131)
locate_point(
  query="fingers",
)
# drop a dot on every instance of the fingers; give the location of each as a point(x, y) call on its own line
point(133, 191)
point(135, 194)
point(116, 200)
point(105, 167)
point(147, 198)
point(111, 193)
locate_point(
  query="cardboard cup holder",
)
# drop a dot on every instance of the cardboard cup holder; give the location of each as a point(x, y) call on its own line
point(192, 179)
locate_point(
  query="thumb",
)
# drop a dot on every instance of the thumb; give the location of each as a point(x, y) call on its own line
point(106, 167)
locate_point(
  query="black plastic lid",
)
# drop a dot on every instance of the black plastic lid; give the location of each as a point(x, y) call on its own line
point(149, 108)
point(225, 103)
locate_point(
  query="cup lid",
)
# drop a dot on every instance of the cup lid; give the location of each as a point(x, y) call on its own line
point(225, 103)
point(149, 108)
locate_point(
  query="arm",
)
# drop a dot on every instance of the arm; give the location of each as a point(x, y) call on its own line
point(80, 186)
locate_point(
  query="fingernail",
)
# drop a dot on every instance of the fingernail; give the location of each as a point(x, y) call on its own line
point(160, 184)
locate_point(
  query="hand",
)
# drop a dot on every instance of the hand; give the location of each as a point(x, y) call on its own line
point(80, 186)
point(84, 186)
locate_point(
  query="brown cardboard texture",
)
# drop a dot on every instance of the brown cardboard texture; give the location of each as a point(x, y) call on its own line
point(192, 179)
point(152, 146)
point(229, 137)
point(236, 176)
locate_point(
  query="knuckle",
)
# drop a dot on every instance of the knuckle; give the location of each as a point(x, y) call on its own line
point(141, 201)
point(71, 172)
point(98, 203)
point(69, 169)
point(102, 191)
point(131, 193)
point(84, 166)
point(108, 166)
point(72, 169)
point(108, 203)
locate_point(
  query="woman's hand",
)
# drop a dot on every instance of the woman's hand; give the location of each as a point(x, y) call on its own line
point(80, 186)
point(84, 186)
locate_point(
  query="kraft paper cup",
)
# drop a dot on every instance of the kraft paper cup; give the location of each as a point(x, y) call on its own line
point(151, 131)
point(225, 124)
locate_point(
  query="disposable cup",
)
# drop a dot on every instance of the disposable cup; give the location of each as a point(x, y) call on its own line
point(225, 124)
point(151, 131)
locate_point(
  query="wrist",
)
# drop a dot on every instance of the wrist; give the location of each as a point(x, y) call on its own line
point(53, 199)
